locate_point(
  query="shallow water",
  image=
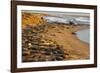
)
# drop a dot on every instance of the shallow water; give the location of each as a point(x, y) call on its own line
point(84, 35)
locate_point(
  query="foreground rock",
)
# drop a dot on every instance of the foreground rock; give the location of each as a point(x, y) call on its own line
point(35, 48)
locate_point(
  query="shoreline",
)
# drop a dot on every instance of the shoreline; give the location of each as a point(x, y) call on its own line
point(78, 36)
point(71, 43)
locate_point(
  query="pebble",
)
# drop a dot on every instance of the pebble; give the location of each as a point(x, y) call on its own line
point(33, 41)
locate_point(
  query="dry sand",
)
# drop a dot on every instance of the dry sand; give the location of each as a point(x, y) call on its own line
point(63, 36)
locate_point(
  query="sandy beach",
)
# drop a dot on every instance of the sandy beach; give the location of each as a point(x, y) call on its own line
point(59, 34)
point(71, 44)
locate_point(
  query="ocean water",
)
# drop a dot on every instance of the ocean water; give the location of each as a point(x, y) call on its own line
point(84, 35)
point(67, 19)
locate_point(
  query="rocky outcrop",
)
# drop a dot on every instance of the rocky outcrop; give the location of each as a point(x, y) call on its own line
point(37, 48)
point(32, 19)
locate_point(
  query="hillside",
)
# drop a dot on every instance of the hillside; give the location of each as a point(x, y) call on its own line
point(32, 19)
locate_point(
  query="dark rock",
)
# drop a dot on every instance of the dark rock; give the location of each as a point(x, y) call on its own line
point(73, 33)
